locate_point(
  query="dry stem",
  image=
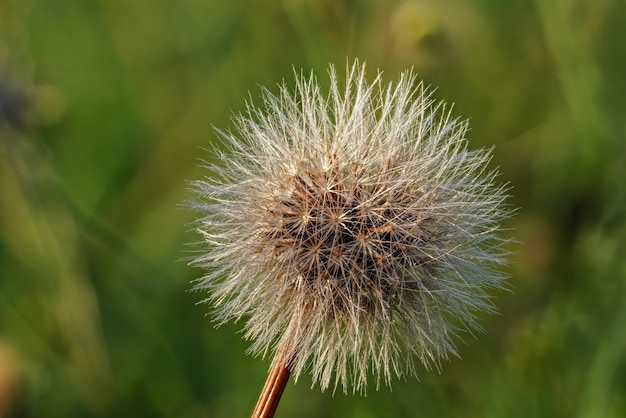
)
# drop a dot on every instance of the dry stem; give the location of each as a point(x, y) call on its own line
point(273, 389)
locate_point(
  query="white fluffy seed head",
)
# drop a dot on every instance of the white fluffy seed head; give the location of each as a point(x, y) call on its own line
point(354, 231)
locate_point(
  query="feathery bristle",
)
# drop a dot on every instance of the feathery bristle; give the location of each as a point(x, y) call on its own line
point(355, 231)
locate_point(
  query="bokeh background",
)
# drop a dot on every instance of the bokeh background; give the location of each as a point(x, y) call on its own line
point(107, 108)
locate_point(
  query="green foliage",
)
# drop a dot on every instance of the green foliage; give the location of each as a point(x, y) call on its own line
point(106, 106)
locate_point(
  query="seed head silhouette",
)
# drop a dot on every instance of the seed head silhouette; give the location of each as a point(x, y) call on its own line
point(352, 231)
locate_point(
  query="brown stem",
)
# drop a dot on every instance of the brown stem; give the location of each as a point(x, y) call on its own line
point(273, 390)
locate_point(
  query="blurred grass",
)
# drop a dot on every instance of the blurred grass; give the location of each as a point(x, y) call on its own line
point(106, 106)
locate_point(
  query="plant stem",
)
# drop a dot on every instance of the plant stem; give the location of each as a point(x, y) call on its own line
point(273, 390)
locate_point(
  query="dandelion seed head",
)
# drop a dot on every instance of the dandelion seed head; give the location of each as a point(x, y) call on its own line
point(353, 229)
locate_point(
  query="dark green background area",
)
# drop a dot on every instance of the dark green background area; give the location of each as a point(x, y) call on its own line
point(107, 108)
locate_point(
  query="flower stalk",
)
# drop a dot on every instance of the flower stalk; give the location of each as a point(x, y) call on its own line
point(272, 390)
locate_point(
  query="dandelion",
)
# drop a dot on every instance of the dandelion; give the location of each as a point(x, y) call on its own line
point(353, 232)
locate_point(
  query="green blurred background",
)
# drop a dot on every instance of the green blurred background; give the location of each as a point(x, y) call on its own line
point(107, 106)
